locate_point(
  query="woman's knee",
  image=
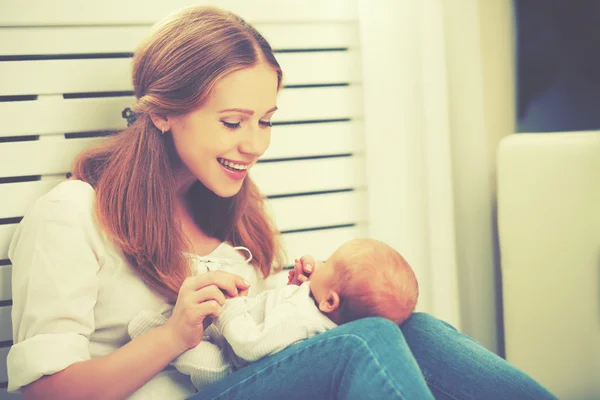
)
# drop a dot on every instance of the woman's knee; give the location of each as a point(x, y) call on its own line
point(370, 329)
point(420, 321)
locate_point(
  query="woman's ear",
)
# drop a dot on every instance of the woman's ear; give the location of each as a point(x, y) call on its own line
point(330, 303)
point(160, 122)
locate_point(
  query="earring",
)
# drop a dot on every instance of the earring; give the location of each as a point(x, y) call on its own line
point(162, 129)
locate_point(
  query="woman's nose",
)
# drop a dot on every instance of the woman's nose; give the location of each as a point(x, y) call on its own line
point(255, 142)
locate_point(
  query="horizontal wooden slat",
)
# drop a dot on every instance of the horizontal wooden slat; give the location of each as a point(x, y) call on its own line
point(125, 39)
point(5, 279)
point(310, 175)
point(5, 324)
point(292, 213)
point(114, 12)
point(6, 234)
point(319, 103)
point(41, 157)
point(332, 138)
point(320, 244)
point(16, 198)
point(114, 74)
point(56, 115)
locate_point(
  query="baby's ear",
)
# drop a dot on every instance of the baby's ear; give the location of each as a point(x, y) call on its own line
point(330, 303)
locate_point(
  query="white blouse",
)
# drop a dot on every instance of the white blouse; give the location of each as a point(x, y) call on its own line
point(74, 293)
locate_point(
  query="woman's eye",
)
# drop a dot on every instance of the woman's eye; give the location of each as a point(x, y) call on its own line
point(266, 124)
point(231, 125)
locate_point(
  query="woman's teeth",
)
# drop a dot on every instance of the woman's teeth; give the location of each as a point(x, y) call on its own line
point(233, 166)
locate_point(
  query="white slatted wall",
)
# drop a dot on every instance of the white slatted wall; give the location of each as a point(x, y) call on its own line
point(65, 77)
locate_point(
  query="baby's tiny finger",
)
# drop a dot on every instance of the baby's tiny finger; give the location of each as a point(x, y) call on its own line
point(302, 278)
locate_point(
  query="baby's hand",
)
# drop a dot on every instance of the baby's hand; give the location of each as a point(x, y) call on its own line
point(302, 270)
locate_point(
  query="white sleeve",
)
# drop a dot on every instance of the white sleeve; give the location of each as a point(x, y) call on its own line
point(205, 364)
point(54, 282)
point(283, 325)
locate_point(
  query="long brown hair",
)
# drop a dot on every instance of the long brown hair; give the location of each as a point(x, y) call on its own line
point(174, 70)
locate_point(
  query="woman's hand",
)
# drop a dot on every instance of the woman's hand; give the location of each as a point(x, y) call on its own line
point(200, 299)
point(302, 270)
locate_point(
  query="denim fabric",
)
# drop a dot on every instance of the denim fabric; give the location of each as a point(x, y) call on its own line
point(457, 367)
point(362, 360)
point(373, 359)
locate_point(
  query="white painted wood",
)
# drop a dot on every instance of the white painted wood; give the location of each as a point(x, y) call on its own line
point(41, 157)
point(6, 234)
point(320, 244)
point(319, 210)
point(56, 115)
point(114, 74)
point(115, 12)
point(125, 39)
point(5, 324)
point(16, 198)
point(319, 103)
point(5, 279)
point(316, 140)
point(310, 175)
point(320, 68)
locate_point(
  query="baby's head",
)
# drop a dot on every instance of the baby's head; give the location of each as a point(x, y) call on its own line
point(365, 278)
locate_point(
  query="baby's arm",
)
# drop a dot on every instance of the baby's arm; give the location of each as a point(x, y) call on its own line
point(284, 324)
point(204, 363)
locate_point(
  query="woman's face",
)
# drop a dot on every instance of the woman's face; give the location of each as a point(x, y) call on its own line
point(221, 140)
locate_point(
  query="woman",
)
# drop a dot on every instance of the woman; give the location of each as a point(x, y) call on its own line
point(122, 236)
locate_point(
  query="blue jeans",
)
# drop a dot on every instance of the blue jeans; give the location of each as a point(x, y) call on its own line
point(373, 359)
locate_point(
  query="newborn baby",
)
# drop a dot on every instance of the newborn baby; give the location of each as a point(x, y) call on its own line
point(362, 278)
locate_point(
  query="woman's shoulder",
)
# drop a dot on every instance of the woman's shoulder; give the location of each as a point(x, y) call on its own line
point(71, 200)
point(71, 191)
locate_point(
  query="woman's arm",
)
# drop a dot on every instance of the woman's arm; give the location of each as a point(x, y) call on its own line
point(114, 376)
point(117, 375)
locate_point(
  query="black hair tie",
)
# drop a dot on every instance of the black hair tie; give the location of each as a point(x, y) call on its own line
point(129, 115)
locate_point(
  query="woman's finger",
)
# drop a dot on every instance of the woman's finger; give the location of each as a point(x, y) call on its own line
point(225, 281)
point(207, 293)
point(208, 309)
